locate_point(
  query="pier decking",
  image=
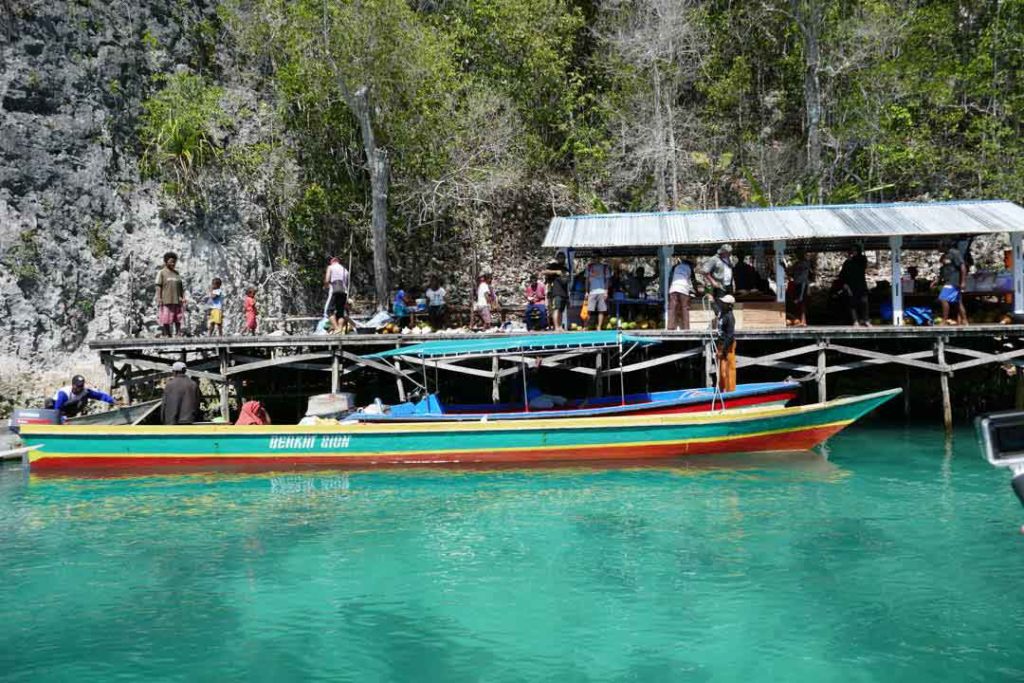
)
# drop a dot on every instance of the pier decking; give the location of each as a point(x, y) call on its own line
point(810, 354)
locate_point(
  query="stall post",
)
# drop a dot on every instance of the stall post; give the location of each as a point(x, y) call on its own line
point(665, 263)
point(780, 270)
point(896, 248)
point(570, 259)
point(1017, 267)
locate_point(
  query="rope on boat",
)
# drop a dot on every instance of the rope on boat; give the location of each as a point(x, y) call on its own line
point(706, 301)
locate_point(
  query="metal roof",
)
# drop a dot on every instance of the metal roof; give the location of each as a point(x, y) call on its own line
point(919, 223)
point(497, 345)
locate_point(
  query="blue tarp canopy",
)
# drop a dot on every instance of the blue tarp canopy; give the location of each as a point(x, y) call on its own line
point(534, 342)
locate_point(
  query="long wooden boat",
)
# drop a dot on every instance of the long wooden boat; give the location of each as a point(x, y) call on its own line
point(654, 403)
point(111, 449)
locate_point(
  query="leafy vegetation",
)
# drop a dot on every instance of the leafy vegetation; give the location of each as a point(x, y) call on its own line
point(177, 129)
point(608, 105)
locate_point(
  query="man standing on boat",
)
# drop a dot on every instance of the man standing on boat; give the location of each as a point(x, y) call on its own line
point(181, 400)
point(71, 400)
point(726, 344)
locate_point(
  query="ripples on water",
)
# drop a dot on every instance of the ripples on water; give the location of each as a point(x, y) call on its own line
point(893, 559)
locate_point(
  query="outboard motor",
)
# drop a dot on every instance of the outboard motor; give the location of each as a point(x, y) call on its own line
point(1001, 436)
point(33, 416)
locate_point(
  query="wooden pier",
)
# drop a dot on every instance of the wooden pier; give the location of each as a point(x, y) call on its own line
point(810, 354)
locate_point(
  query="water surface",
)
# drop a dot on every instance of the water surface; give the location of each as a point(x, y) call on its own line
point(893, 558)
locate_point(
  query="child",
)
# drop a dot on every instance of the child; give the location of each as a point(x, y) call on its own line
point(250, 310)
point(215, 297)
point(401, 309)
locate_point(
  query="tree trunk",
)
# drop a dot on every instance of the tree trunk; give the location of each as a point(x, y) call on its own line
point(672, 159)
point(379, 167)
point(808, 14)
point(659, 142)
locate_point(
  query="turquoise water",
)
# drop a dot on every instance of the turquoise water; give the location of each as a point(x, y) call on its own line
point(893, 558)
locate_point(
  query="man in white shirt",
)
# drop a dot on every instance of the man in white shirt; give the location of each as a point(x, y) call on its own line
point(680, 290)
point(484, 300)
point(597, 276)
point(336, 281)
point(435, 303)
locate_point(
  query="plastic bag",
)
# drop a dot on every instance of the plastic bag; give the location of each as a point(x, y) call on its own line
point(584, 311)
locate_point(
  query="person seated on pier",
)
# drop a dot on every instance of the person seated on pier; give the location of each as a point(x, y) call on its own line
point(854, 284)
point(536, 314)
point(180, 403)
point(745, 277)
point(71, 400)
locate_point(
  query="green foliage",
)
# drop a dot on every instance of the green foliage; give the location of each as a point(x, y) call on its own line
point(97, 238)
point(23, 259)
point(177, 128)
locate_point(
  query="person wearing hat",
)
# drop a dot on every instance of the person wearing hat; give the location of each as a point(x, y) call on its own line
point(72, 399)
point(180, 404)
point(726, 344)
point(717, 272)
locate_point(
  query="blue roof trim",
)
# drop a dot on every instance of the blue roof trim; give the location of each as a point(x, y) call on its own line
point(793, 207)
point(536, 342)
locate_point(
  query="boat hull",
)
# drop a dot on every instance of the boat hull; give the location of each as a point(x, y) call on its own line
point(63, 448)
point(661, 403)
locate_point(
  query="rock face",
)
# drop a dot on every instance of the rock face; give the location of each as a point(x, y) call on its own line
point(81, 231)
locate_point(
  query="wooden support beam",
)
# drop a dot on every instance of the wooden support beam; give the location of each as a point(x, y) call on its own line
point(856, 365)
point(475, 372)
point(788, 353)
point(947, 408)
point(165, 366)
point(981, 358)
point(598, 366)
point(278, 360)
point(886, 357)
point(779, 364)
point(376, 365)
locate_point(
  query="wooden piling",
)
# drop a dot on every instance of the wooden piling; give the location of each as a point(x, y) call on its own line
point(821, 374)
point(224, 387)
point(496, 381)
point(947, 407)
point(335, 372)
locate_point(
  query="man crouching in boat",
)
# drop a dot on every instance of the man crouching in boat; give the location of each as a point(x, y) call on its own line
point(71, 400)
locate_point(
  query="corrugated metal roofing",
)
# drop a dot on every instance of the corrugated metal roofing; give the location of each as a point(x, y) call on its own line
point(536, 342)
point(791, 223)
